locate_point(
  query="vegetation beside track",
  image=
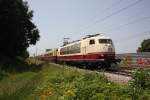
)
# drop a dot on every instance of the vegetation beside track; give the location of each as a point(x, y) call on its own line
point(56, 82)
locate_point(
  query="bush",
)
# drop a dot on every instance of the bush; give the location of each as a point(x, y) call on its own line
point(139, 85)
point(140, 79)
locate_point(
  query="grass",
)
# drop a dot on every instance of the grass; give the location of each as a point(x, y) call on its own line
point(55, 82)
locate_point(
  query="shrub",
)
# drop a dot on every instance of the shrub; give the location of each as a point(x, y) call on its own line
point(139, 85)
point(140, 79)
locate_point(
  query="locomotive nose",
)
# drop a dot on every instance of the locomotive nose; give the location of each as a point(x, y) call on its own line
point(108, 48)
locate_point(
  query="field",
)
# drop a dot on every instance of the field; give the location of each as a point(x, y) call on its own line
point(58, 82)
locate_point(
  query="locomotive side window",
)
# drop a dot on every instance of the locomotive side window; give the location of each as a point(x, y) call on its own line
point(71, 49)
point(74, 48)
point(107, 41)
point(92, 42)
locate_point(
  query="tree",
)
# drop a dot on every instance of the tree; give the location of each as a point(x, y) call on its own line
point(145, 46)
point(17, 31)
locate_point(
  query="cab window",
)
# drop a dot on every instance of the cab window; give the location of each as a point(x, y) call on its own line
point(107, 41)
point(92, 42)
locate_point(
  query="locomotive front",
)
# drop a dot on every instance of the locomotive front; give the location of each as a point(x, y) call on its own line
point(101, 50)
point(106, 48)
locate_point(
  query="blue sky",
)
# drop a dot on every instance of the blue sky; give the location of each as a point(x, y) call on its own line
point(127, 22)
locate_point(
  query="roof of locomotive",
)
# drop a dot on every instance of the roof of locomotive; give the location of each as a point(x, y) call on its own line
point(99, 36)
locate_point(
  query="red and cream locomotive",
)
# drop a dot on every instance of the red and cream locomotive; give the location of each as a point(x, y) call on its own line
point(93, 50)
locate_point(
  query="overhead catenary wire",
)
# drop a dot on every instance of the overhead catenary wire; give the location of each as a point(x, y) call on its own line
point(112, 14)
point(108, 8)
point(104, 10)
point(131, 22)
point(133, 36)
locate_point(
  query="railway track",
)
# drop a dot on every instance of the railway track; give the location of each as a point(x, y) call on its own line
point(121, 72)
point(122, 76)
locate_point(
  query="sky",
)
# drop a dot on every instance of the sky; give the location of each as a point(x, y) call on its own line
point(127, 22)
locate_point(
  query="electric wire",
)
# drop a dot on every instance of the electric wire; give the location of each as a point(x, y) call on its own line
point(120, 40)
point(108, 8)
point(112, 14)
point(132, 22)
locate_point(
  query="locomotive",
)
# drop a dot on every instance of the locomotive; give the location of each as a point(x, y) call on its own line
point(91, 51)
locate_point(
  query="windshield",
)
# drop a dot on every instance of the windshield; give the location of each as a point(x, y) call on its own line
point(108, 41)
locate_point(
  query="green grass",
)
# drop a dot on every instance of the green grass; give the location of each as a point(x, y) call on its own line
point(56, 82)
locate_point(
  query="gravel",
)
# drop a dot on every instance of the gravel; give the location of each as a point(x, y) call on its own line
point(117, 78)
